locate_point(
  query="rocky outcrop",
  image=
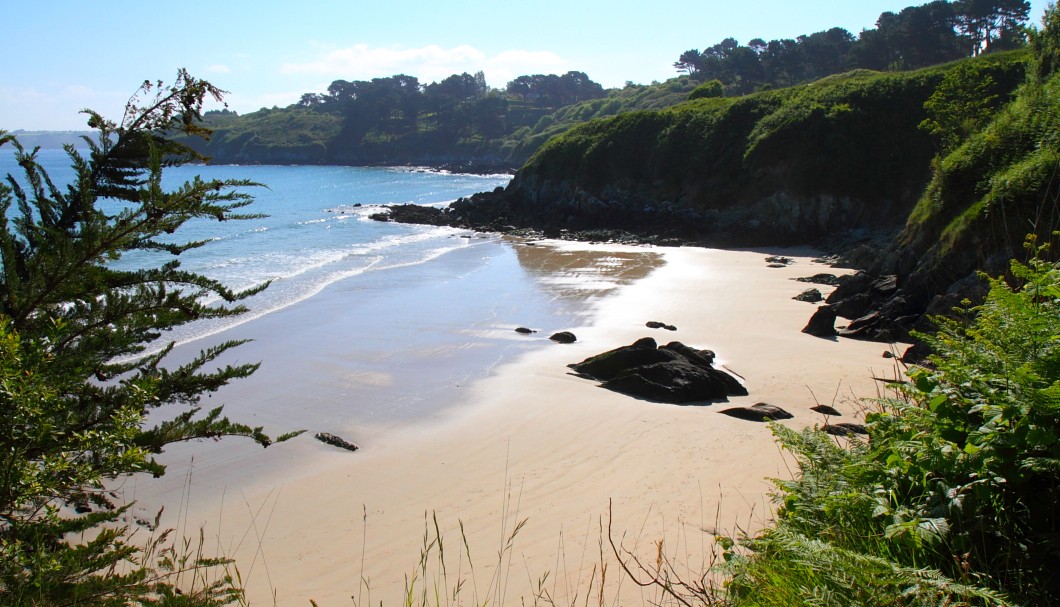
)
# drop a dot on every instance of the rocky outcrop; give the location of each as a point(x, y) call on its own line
point(674, 373)
point(822, 323)
point(837, 164)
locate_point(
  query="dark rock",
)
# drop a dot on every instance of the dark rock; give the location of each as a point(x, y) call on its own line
point(825, 409)
point(822, 323)
point(654, 324)
point(676, 381)
point(646, 342)
point(412, 213)
point(855, 306)
point(852, 297)
point(862, 327)
point(809, 295)
point(525, 331)
point(610, 364)
point(779, 261)
point(335, 441)
point(564, 337)
point(916, 354)
point(888, 354)
point(886, 285)
point(821, 279)
point(845, 429)
point(761, 412)
point(699, 357)
point(674, 373)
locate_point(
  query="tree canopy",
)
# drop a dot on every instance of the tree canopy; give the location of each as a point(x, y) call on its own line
point(915, 37)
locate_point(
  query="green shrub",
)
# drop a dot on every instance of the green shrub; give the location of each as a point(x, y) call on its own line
point(707, 90)
point(953, 497)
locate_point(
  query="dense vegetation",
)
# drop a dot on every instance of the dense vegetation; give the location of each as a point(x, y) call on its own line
point(76, 383)
point(784, 166)
point(461, 121)
point(916, 37)
point(952, 499)
point(398, 120)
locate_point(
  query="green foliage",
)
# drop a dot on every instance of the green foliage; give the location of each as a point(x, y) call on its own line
point(790, 568)
point(915, 37)
point(957, 484)
point(999, 182)
point(1045, 45)
point(707, 90)
point(46, 462)
point(852, 135)
point(962, 103)
point(75, 384)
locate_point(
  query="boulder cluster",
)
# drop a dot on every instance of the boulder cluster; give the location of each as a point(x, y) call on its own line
point(673, 373)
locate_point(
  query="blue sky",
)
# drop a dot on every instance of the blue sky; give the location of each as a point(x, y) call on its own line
point(65, 55)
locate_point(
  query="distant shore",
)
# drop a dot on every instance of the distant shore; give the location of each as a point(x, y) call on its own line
point(531, 441)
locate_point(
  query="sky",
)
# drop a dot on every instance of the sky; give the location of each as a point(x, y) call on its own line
point(62, 56)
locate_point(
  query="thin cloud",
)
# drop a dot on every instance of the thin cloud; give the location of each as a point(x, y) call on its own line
point(428, 63)
point(251, 103)
point(218, 68)
point(508, 65)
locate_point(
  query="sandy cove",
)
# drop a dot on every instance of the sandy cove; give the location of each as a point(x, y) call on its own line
point(536, 443)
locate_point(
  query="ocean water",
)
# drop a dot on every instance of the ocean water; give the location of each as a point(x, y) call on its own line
point(315, 232)
point(365, 324)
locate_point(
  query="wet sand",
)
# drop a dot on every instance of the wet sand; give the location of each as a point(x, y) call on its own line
point(520, 440)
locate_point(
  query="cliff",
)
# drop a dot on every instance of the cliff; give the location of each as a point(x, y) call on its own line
point(798, 165)
point(842, 163)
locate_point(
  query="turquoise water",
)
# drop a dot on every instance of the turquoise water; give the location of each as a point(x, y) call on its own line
point(315, 233)
point(391, 321)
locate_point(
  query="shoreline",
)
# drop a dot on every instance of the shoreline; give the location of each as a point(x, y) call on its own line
point(532, 441)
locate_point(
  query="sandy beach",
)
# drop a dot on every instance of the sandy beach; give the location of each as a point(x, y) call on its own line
point(526, 440)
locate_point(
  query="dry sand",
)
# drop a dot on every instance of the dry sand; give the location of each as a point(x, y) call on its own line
point(532, 442)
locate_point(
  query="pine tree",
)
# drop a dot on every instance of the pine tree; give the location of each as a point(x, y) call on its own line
point(76, 383)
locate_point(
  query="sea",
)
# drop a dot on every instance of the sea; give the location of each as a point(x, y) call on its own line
point(407, 312)
point(315, 228)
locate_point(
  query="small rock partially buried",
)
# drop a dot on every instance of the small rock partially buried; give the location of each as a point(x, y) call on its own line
point(564, 337)
point(335, 441)
point(845, 429)
point(810, 295)
point(525, 331)
point(762, 412)
point(825, 409)
point(821, 279)
point(654, 324)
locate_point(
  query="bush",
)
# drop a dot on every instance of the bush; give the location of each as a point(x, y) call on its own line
point(953, 497)
point(707, 90)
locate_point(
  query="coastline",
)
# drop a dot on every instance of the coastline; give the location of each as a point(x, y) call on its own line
point(530, 441)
